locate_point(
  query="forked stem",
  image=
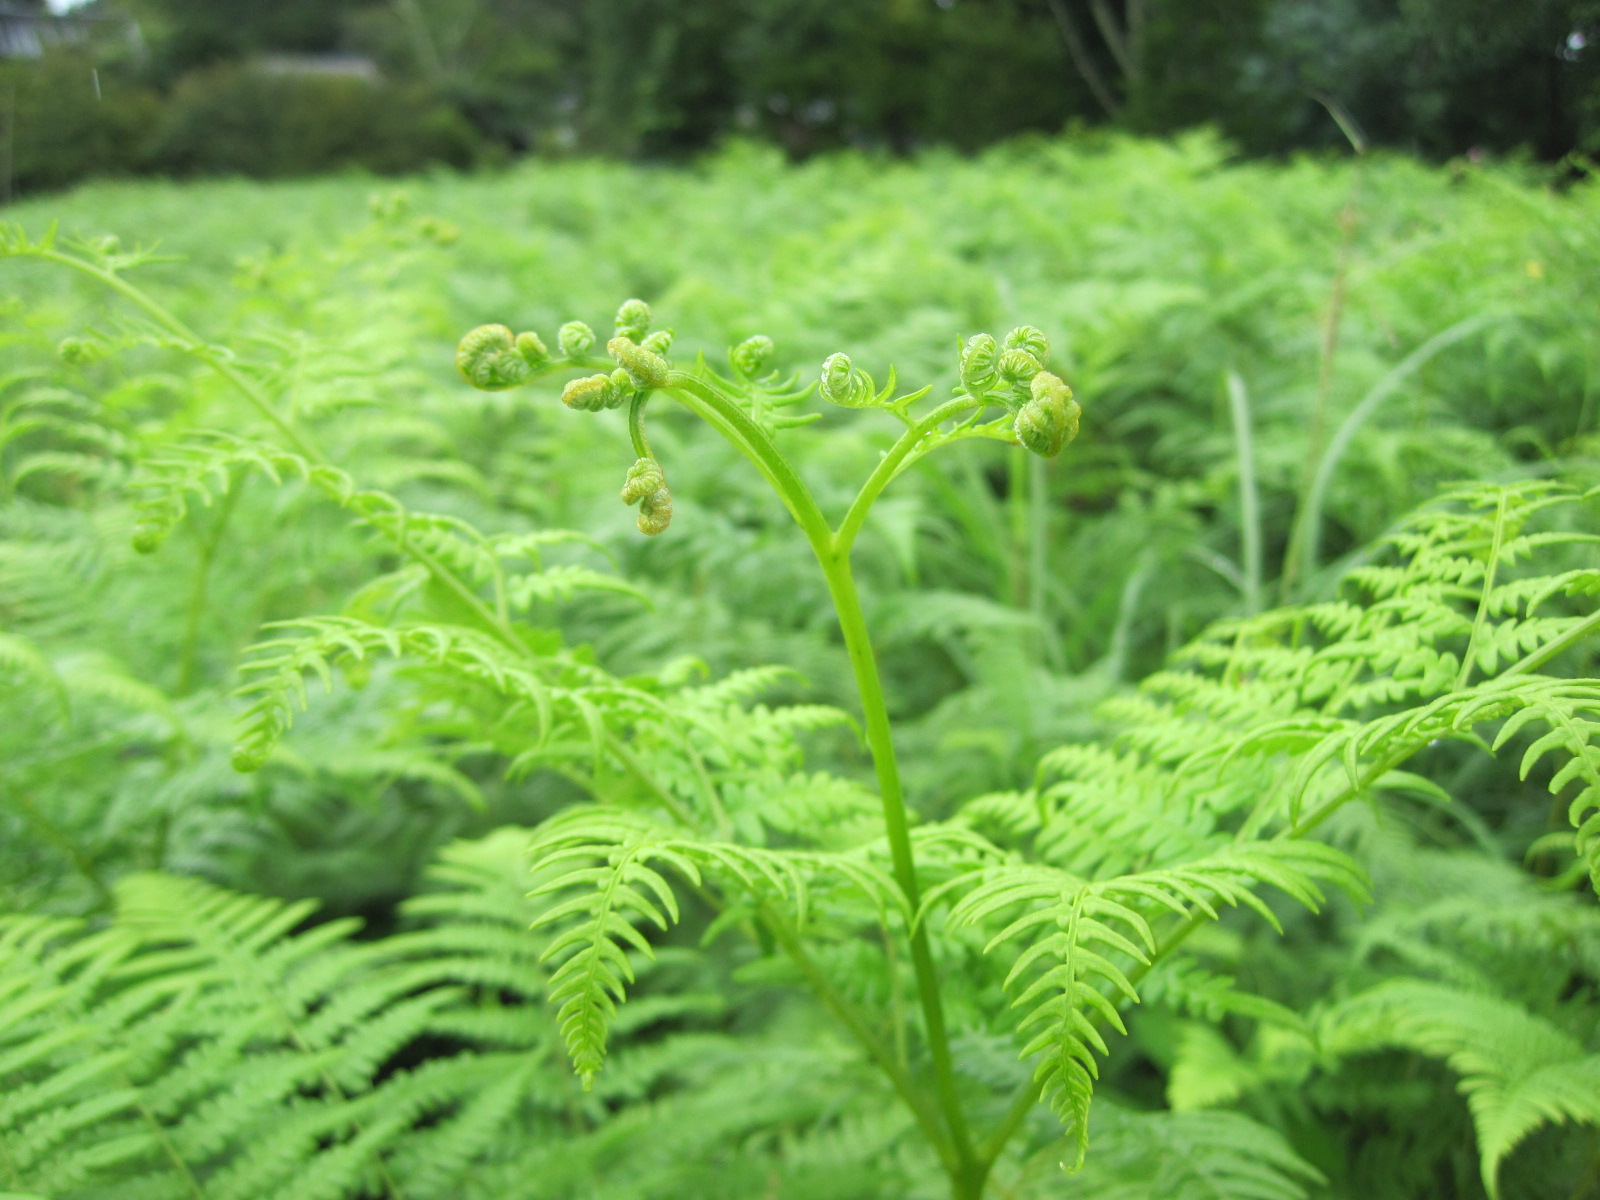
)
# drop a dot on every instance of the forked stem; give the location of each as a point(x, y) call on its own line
point(966, 1167)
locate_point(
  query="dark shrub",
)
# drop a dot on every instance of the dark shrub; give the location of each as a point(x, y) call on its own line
point(247, 120)
point(65, 127)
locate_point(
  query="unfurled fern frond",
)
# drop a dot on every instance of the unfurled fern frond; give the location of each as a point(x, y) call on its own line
point(21, 660)
point(1101, 931)
point(606, 857)
point(1191, 1156)
point(51, 431)
point(593, 971)
point(1355, 757)
point(1350, 690)
point(203, 1045)
point(556, 691)
point(203, 467)
point(1106, 814)
point(736, 686)
point(560, 583)
point(1519, 1070)
point(1476, 921)
point(1278, 720)
point(814, 807)
point(1184, 986)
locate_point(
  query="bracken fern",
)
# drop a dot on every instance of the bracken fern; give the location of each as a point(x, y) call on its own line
point(195, 1041)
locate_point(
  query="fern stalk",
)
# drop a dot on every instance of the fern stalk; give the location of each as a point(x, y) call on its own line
point(832, 549)
point(1535, 659)
point(192, 342)
point(837, 1003)
point(858, 644)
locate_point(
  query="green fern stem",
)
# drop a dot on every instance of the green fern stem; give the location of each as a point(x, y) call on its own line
point(912, 444)
point(832, 549)
point(724, 415)
point(788, 939)
point(1535, 659)
point(858, 644)
point(192, 342)
point(641, 444)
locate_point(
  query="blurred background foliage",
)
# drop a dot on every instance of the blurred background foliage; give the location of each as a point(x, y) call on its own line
point(180, 86)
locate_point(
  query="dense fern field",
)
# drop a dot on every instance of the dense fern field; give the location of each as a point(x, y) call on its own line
point(1186, 786)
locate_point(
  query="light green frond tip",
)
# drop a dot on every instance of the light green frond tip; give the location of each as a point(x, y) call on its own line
point(980, 359)
point(1049, 420)
point(843, 384)
point(646, 368)
point(592, 393)
point(492, 359)
point(752, 354)
point(632, 320)
point(575, 339)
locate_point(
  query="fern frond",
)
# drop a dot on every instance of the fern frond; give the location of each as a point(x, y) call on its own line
point(20, 657)
point(590, 980)
point(560, 691)
point(1101, 930)
point(606, 857)
point(1518, 1070)
point(208, 1043)
point(1192, 1156)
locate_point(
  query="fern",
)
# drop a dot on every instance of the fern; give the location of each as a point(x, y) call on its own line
point(201, 1046)
point(560, 694)
point(1518, 1071)
point(845, 1029)
point(1098, 926)
point(1195, 1156)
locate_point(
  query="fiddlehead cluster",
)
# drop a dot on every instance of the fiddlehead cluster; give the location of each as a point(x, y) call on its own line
point(1044, 414)
point(491, 359)
point(494, 359)
point(1040, 412)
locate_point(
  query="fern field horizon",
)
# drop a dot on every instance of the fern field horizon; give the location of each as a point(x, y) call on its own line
point(1087, 688)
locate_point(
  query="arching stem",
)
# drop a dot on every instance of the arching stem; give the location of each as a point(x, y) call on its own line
point(832, 550)
point(641, 445)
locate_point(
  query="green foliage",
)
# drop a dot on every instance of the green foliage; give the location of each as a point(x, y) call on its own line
point(1518, 1070)
point(64, 124)
point(198, 1045)
point(695, 926)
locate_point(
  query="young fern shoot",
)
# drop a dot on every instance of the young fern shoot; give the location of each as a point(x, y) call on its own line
point(1037, 409)
point(1235, 773)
